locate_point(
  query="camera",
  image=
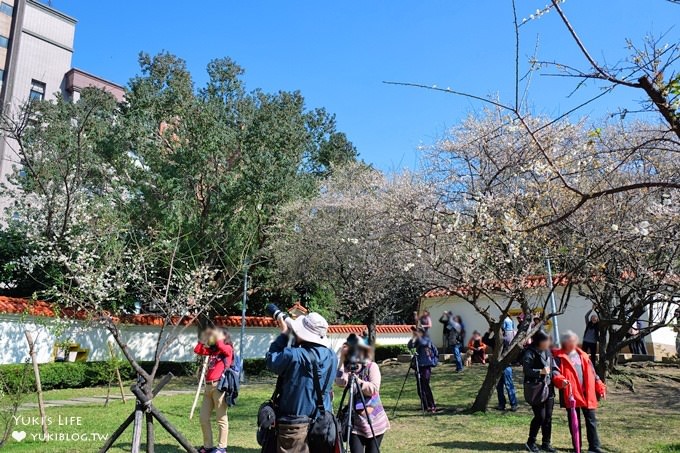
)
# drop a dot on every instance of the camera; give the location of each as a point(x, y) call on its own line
point(278, 314)
point(353, 359)
point(275, 312)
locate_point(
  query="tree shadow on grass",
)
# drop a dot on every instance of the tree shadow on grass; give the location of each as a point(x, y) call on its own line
point(478, 446)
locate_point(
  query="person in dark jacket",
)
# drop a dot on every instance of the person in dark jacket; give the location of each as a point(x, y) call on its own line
point(216, 345)
point(540, 369)
point(295, 365)
point(444, 319)
point(591, 336)
point(426, 361)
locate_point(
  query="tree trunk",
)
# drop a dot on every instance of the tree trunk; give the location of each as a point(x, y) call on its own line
point(493, 374)
point(38, 384)
point(371, 324)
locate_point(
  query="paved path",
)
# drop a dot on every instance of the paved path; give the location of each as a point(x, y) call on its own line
point(97, 400)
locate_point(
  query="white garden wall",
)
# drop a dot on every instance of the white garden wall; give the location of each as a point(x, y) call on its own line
point(660, 342)
point(140, 339)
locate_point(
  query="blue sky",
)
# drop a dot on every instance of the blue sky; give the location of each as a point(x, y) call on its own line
point(338, 53)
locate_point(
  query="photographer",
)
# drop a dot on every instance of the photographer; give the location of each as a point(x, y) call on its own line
point(355, 356)
point(426, 361)
point(216, 344)
point(294, 364)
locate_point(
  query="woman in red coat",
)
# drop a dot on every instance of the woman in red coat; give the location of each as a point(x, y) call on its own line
point(577, 375)
point(216, 344)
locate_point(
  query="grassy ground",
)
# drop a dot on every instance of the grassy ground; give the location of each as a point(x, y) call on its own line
point(645, 421)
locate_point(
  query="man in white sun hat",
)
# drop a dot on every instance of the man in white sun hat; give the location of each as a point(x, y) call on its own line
point(295, 366)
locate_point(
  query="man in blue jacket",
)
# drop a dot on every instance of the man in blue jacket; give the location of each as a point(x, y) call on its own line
point(294, 364)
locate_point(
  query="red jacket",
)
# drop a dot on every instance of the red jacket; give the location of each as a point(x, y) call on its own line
point(220, 357)
point(590, 392)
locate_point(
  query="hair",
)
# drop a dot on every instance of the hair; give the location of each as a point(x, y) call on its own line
point(568, 335)
point(476, 332)
point(227, 336)
point(458, 318)
point(540, 336)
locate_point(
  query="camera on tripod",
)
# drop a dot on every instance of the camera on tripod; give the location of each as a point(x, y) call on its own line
point(354, 360)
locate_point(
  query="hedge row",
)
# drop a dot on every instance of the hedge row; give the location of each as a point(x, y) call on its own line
point(389, 352)
point(62, 375)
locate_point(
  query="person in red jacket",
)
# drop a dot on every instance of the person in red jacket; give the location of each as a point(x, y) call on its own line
point(577, 374)
point(216, 344)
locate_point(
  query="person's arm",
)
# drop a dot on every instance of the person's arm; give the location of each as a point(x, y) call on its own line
point(600, 387)
point(527, 366)
point(558, 379)
point(279, 356)
point(588, 316)
point(471, 344)
point(202, 349)
point(226, 350)
point(342, 377)
point(371, 386)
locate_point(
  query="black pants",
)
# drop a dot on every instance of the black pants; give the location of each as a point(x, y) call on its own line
point(590, 348)
point(426, 395)
point(542, 421)
point(361, 444)
point(591, 427)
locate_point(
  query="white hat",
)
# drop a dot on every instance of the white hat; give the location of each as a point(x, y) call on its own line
point(312, 328)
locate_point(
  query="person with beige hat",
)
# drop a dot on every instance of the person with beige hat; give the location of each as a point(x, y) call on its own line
point(296, 365)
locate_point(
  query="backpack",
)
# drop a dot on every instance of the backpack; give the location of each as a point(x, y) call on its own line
point(230, 381)
point(434, 354)
point(324, 430)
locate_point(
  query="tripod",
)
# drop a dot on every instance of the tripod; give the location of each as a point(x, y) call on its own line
point(416, 368)
point(352, 388)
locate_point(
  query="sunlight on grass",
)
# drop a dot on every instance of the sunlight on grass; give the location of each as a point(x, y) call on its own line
point(629, 422)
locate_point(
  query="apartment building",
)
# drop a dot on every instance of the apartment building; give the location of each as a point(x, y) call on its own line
point(36, 51)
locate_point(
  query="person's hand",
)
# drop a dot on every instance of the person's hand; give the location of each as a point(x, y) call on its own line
point(545, 371)
point(343, 352)
point(565, 384)
point(283, 326)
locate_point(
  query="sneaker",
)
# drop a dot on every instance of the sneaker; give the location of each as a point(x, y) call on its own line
point(595, 450)
point(499, 408)
point(514, 408)
point(547, 447)
point(531, 446)
point(218, 450)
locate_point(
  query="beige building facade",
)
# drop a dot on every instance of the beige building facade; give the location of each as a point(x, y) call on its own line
point(36, 52)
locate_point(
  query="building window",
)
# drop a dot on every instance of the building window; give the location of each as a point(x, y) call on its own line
point(37, 91)
point(6, 9)
point(4, 41)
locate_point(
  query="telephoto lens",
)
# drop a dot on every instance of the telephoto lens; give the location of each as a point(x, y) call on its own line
point(278, 314)
point(275, 312)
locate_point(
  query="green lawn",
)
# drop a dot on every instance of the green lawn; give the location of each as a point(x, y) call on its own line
point(645, 421)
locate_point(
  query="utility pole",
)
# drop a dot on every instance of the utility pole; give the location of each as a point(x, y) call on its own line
point(244, 306)
point(556, 329)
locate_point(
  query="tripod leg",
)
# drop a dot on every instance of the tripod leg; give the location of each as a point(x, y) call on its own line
point(368, 417)
point(394, 411)
point(344, 442)
point(419, 386)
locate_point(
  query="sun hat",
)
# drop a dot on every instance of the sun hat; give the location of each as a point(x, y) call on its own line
point(312, 328)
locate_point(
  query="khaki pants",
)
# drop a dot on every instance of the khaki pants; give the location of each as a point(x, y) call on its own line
point(292, 438)
point(213, 400)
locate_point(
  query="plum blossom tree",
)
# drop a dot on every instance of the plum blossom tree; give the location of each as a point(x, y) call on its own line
point(349, 237)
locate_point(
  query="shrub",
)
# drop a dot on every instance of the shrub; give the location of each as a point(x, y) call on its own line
point(62, 375)
point(389, 351)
